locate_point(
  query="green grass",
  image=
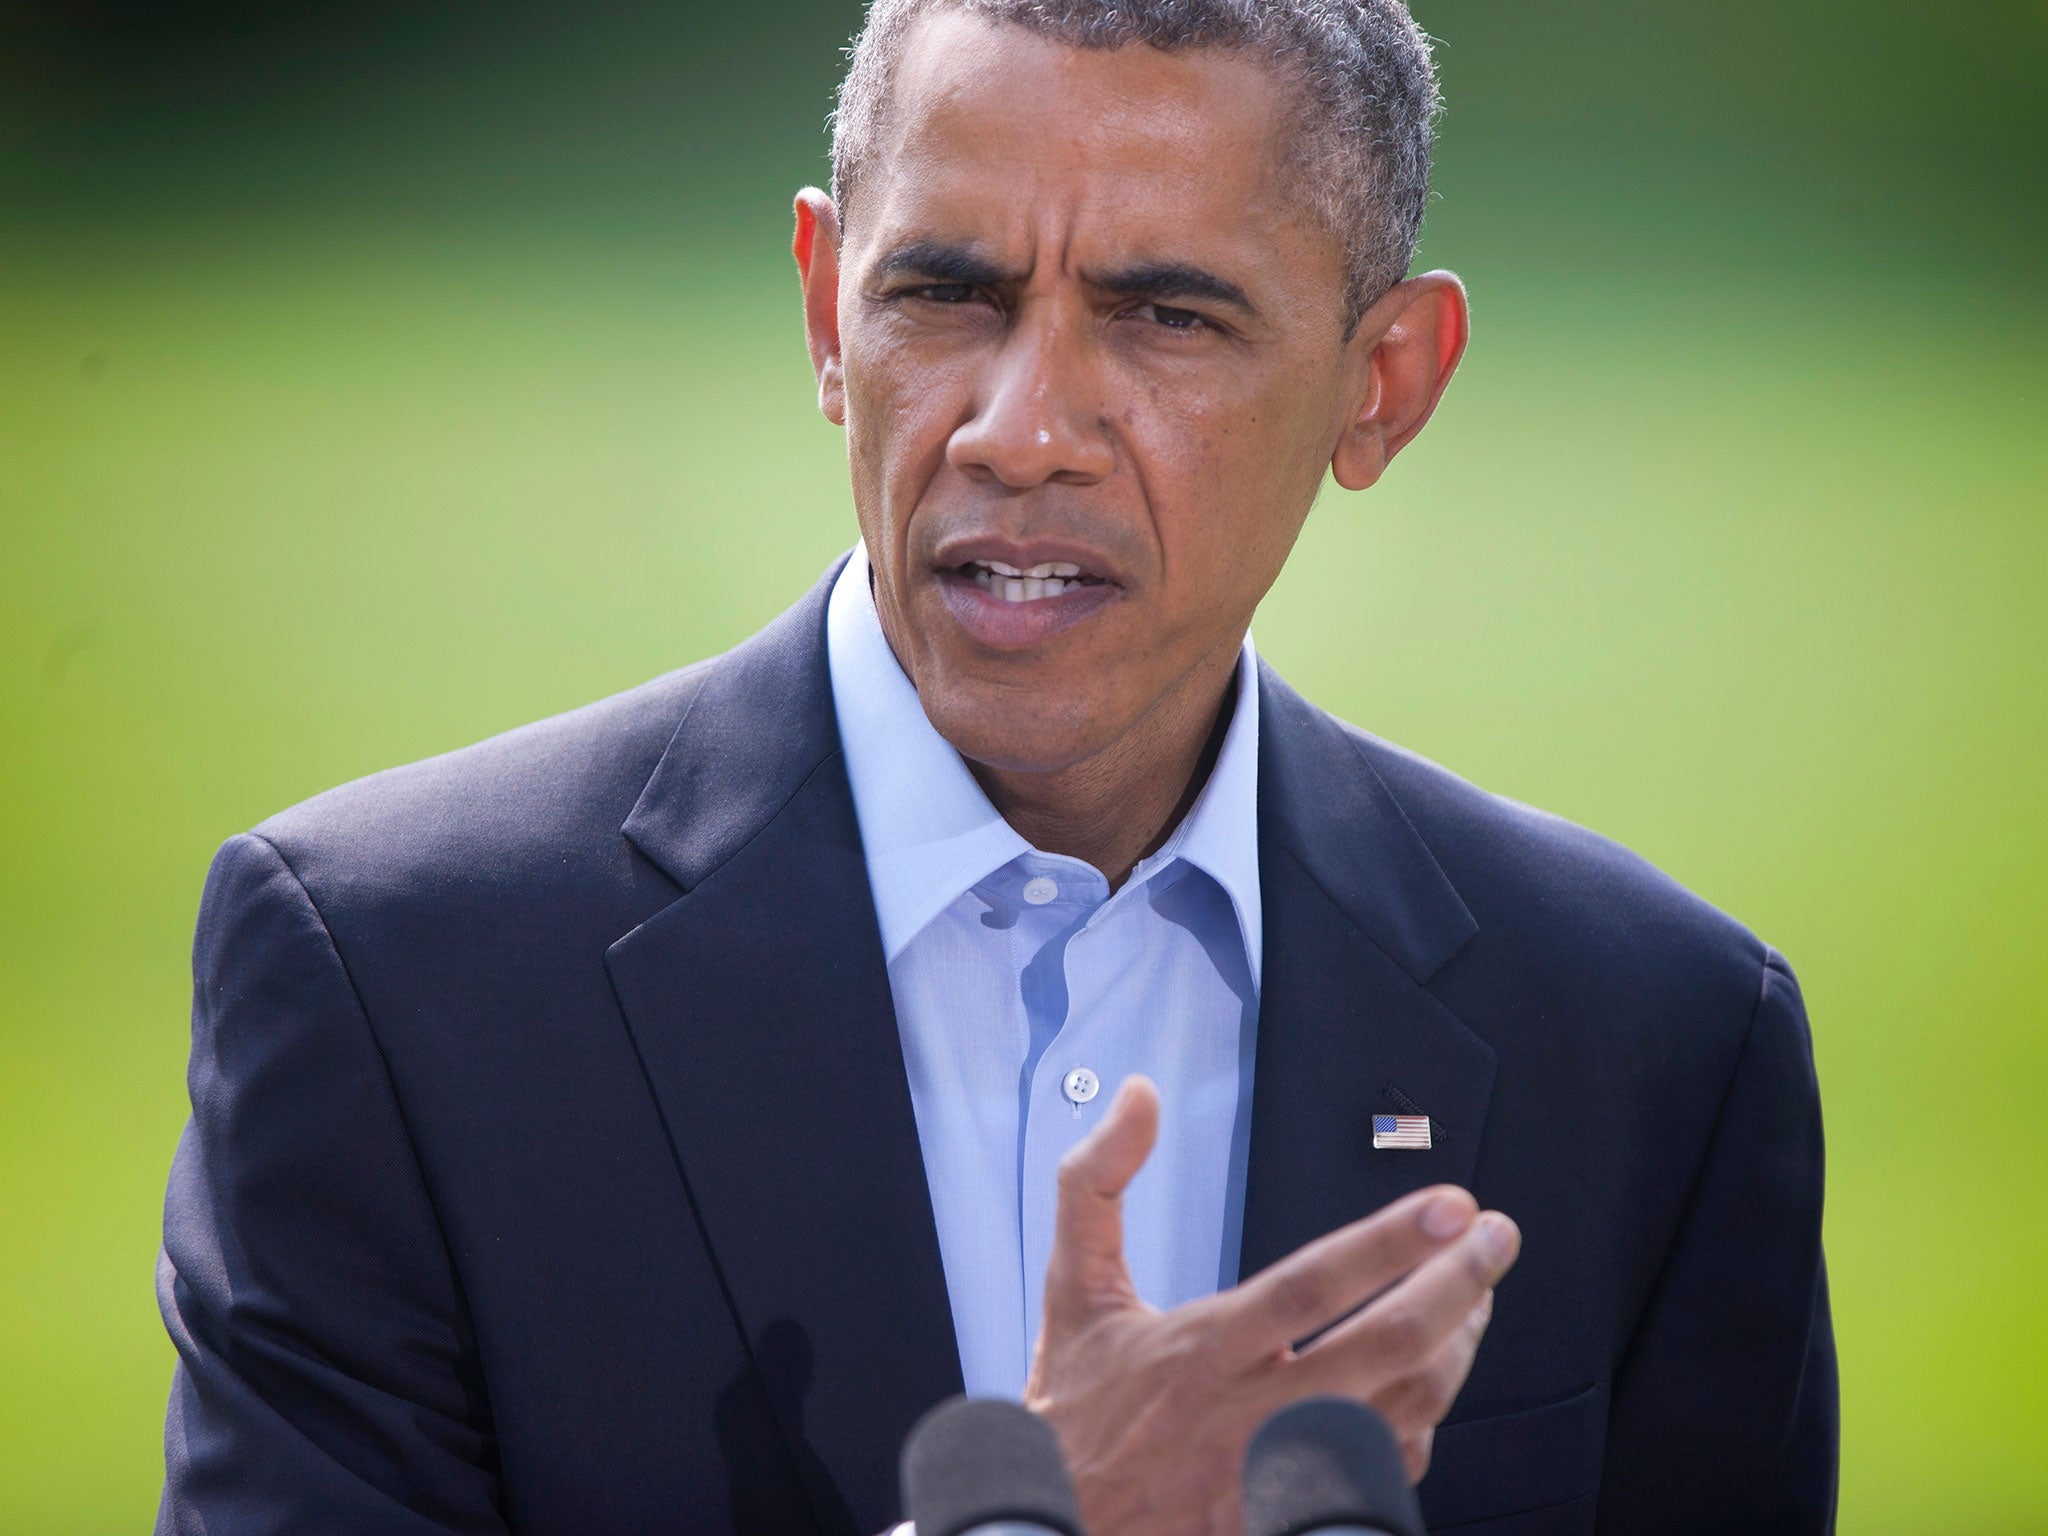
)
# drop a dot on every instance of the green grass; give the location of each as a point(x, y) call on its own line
point(1748, 578)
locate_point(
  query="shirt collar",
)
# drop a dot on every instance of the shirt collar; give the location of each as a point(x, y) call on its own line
point(930, 834)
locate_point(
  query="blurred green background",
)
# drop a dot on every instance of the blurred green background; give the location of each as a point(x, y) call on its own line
point(376, 377)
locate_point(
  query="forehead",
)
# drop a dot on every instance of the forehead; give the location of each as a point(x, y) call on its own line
point(997, 134)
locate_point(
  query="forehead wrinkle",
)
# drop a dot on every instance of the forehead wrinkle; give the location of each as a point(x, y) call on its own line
point(1007, 200)
point(1167, 144)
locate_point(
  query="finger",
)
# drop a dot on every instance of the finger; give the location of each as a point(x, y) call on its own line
point(1321, 1282)
point(1415, 1453)
point(1417, 1403)
point(1088, 1230)
point(1403, 1329)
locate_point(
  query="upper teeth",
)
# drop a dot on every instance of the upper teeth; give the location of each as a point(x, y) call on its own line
point(1012, 585)
point(1036, 572)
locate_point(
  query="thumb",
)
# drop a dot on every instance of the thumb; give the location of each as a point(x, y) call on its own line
point(1087, 1267)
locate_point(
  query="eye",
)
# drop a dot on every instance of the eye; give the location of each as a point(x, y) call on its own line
point(1172, 318)
point(946, 293)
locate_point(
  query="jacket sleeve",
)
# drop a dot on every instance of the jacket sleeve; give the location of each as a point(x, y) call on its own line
point(1724, 1410)
point(327, 1378)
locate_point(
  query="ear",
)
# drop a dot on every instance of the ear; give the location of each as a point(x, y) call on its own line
point(1409, 344)
point(817, 263)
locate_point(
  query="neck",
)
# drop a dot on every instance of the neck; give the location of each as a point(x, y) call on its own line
point(1115, 808)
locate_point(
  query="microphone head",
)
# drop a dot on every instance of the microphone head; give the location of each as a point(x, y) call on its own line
point(974, 1461)
point(1326, 1462)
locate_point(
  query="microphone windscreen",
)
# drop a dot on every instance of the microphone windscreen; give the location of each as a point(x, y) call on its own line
point(974, 1461)
point(1327, 1462)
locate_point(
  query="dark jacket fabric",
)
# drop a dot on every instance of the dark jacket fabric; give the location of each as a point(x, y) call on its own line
point(552, 1168)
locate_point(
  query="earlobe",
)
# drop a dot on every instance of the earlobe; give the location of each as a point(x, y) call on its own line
point(1415, 336)
point(1361, 456)
point(816, 248)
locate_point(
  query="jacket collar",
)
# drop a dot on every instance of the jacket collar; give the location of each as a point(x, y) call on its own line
point(759, 725)
point(1328, 807)
point(764, 720)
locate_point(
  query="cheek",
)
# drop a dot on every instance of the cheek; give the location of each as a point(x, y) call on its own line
point(1229, 477)
point(900, 412)
point(1221, 413)
point(1179, 433)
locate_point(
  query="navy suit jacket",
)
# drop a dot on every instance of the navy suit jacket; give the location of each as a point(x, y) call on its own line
point(552, 1169)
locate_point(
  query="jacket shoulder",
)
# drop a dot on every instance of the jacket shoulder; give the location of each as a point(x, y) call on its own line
point(1557, 903)
point(529, 804)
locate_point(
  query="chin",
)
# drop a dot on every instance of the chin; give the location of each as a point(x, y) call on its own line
point(1001, 728)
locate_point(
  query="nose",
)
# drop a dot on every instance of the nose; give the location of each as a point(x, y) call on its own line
point(1037, 417)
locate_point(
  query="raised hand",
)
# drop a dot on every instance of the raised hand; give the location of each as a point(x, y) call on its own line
point(1154, 1409)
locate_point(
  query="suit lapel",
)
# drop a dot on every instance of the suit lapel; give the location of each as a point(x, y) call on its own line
point(761, 1010)
point(1358, 915)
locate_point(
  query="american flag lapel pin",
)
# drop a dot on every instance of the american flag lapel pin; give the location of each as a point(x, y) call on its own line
point(1401, 1132)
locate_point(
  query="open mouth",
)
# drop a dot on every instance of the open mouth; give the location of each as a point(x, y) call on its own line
point(1010, 585)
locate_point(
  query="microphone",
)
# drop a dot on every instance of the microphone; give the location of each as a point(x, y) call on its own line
point(1331, 1467)
point(990, 1467)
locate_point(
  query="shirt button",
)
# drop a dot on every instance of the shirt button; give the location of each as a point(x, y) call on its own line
point(1039, 890)
point(1080, 1086)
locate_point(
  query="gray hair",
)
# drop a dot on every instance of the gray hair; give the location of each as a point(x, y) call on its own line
point(1363, 68)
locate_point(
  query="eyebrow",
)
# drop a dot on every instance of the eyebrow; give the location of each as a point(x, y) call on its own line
point(1161, 281)
point(941, 261)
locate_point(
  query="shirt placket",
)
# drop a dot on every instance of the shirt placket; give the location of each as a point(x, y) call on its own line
point(1059, 1112)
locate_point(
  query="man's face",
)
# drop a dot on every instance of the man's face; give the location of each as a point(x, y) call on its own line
point(1090, 336)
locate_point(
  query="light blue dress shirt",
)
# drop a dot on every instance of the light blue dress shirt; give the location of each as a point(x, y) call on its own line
point(1013, 969)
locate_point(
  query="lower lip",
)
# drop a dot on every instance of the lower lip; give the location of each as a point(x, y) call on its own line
point(1005, 626)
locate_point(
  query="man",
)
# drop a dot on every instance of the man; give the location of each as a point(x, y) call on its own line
point(636, 1121)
